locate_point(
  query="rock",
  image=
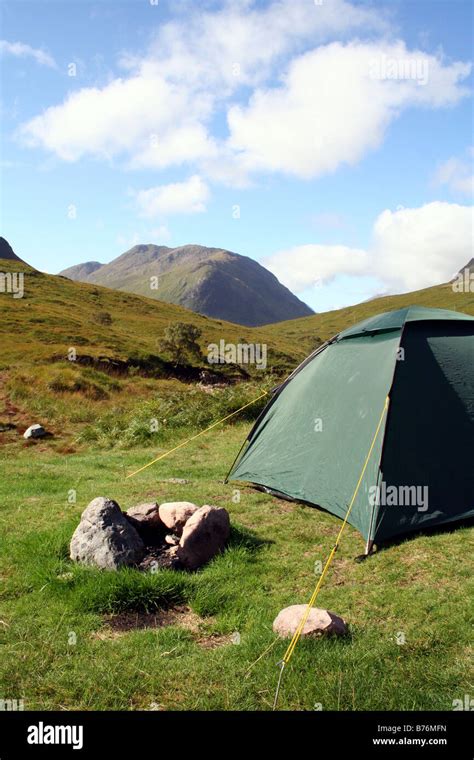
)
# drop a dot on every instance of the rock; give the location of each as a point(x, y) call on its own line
point(205, 535)
point(172, 540)
point(319, 622)
point(105, 538)
point(5, 426)
point(176, 481)
point(35, 431)
point(146, 520)
point(175, 514)
point(146, 514)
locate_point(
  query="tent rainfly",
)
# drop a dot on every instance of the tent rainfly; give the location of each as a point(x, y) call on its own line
point(311, 440)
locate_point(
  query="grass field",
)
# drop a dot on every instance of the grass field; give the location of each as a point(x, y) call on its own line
point(75, 638)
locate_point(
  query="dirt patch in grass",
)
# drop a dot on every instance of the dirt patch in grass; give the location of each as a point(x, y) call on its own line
point(213, 640)
point(66, 450)
point(122, 623)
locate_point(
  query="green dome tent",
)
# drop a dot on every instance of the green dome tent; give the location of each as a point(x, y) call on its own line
point(310, 442)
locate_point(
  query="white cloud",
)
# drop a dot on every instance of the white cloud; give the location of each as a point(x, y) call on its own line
point(183, 143)
point(21, 50)
point(457, 175)
point(187, 197)
point(307, 266)
point(126, 116)
point(335, 104)
point(415, 248)
point(411, 249)
point(158, 113)
point(331, 107)
point(241, 42)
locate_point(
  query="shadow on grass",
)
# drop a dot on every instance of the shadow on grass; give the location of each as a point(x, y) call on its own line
point(311, 644)
point(247, 539)
point(436, 530)
point(124, 590)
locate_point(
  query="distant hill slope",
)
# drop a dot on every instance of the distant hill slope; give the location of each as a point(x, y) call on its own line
point(80, 272)
point(303, 332)
point(6, 251)
point(210, 281)
point(467, 268)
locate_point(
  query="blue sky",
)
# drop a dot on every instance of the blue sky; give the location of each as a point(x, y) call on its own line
point(332, 141)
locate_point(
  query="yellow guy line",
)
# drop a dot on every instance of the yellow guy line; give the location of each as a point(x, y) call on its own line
point(193, 437)
point(297, 633)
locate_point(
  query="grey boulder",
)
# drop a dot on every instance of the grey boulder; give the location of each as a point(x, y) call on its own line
point(319, 622)
point(205, 534)
point(105, 538)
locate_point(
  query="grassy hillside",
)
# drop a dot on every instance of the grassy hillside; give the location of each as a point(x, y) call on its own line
point(325, 325)
point(121, 378)
point(57, 313)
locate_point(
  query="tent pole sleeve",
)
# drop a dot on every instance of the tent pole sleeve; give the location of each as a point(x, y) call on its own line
point(370, 538)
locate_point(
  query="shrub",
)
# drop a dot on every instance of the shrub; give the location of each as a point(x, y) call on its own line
point(103, 318)
point(183, 409)
point(180, 341)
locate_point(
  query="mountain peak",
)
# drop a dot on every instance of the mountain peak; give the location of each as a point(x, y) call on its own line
point(210, 281)
point(81, 271)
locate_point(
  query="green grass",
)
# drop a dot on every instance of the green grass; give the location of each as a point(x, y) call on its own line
point(421, 588)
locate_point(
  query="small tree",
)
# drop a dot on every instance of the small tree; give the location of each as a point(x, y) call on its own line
point(180, 340)
point(103, 318)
